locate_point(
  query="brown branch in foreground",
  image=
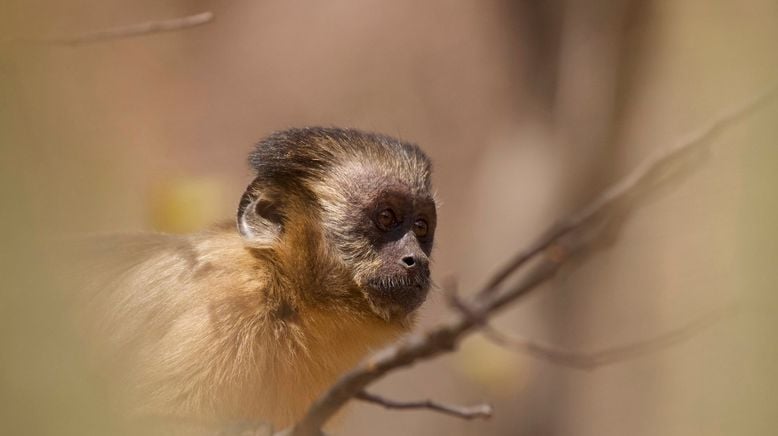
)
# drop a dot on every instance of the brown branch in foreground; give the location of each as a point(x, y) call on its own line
point(556, 247)
point(132, 30)
point(482, 411)
point(608, 356)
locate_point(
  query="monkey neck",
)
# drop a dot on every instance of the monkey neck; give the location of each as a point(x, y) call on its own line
point(306, 323)
point(305, 274)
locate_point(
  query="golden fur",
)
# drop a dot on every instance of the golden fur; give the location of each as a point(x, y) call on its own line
point(251, 324)
point(203, 327)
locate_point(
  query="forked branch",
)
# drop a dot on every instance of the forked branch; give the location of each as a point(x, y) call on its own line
point(539, 263)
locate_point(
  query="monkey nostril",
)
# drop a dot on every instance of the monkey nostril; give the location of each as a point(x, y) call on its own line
point(409, 261)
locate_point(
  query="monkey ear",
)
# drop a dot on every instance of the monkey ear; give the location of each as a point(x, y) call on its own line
point(260, 221)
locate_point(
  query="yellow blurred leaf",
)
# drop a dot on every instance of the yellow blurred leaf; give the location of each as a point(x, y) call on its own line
point(185, 204)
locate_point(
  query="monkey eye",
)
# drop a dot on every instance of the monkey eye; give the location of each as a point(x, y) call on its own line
point(420, 228)
point(386, 219)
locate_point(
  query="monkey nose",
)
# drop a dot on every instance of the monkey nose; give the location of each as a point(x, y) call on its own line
point(411, 262)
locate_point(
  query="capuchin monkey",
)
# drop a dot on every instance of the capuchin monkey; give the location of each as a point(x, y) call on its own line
point(251, 321)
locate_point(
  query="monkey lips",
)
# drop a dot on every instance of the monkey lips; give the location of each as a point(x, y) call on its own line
point(397, 295)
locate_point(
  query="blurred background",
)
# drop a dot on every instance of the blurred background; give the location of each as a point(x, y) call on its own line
point(527, 108)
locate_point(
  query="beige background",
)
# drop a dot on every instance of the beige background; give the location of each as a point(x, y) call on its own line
point(527, 109)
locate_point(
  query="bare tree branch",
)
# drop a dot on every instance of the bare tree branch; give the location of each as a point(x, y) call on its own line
point(548, 254)
point(605, 357)
point(482, 411)
point(630, 184)
point(132, 30)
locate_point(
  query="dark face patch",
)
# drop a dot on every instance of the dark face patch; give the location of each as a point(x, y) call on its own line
point(390, 236)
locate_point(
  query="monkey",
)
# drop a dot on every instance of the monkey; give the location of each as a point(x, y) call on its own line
point(327, 260)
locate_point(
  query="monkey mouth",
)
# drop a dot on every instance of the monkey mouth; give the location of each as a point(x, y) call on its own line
point(397, 295)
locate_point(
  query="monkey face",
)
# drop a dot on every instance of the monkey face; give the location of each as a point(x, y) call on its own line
point(389, 240)
point(401, 232)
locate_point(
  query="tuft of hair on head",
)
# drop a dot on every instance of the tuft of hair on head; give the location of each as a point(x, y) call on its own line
point(293, 161)
point(301, 154)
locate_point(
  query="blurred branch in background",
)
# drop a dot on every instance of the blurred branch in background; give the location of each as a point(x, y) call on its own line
point(597, 359)
point(546, 257)
point(129, 31)
point(657, 169)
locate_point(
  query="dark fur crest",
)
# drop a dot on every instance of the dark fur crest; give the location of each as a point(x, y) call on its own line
point(292, 156)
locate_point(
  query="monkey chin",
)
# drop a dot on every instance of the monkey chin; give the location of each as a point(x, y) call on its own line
point(396, 301)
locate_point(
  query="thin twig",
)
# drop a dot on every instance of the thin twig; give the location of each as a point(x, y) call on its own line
point(559, 244)
point(482, 411)
point(608, 356)
point(132, 30)
point(586, 361)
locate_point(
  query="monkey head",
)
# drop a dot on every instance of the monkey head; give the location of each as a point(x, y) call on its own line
point(364, 203)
